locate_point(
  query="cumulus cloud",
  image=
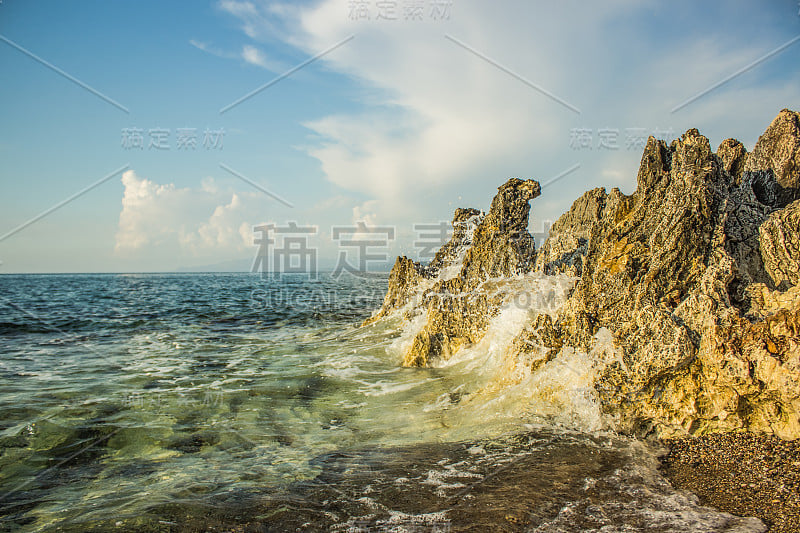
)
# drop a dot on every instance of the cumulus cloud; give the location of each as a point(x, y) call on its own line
point(143, 203)
point(366, 213)
point(170, 226)
point(190, 221)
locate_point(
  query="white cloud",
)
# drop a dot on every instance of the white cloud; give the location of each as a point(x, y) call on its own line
point(438, 121)
point(366, 213)
point(170, 226)
point(211, 49)
point(453, 117)
point(192, 222)
point(261, 20)
point(199, 45)
point(249, 54)
point(253, 55)
point(220, 231)
point(245, 11)
point(142, 205)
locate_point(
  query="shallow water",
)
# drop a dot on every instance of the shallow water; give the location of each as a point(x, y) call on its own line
point(235, 402)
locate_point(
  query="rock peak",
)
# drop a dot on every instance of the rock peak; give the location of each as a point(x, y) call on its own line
point(693, 283)
point(495, 245)
point(778, 151)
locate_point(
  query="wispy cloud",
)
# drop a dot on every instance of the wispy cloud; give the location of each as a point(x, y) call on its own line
point(441, 118)
point(213, 50)
point(254, 56)
point(249, 54)
point(261, 19)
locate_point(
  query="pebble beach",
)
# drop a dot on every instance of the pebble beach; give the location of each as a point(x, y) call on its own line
point(740, 473)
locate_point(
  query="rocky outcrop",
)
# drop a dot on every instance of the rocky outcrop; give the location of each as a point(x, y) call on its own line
point(501, 244)
point(404, 280)
point(566, 246)
point(780, 245)
point(733, 155)
point(778, 151)
point(450, 290)
point(458, 309)
point(671, 271)
point(451, 254)
point(693, 277)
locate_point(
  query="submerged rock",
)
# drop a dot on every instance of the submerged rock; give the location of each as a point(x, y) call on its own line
point(692, 280)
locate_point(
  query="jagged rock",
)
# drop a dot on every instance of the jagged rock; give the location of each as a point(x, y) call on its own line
point(778, 150)
point(409, 280)
point(779, 239)
point(459, 309)
point(465, 220)
point(766, 302)
point(403, 280)
point(744, 213)
point(501, 244)
point(692, 280)
point(450, 290)
point(456, 316)
point(733, 155)
point(667, 273)
point(566, 246)
point(539, 342)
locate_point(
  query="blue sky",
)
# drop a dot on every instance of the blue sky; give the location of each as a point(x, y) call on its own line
point(401, 123)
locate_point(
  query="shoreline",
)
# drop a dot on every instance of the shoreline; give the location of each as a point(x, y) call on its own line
point(740, 473)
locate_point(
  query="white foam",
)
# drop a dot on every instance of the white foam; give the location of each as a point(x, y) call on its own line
point(523, 297)
point(642, 498)
point(403, 343)
point(383, 388)
point(454, 268)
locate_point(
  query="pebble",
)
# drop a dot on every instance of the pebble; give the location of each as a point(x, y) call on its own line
point(740, 473)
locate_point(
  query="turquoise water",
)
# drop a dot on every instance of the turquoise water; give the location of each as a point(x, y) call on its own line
point(236, 402)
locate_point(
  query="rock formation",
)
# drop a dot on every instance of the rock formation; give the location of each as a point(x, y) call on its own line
point(671, 272)
point(451, 291)
point(695, 275)
point(778, 150)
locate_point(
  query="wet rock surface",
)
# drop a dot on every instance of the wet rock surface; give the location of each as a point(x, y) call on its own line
point(667, 271)
point(693, 275)
point(450, 290)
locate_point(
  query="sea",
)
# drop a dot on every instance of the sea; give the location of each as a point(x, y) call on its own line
point(258, 402)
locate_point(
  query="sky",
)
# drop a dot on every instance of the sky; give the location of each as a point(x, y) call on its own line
point(158, 136)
